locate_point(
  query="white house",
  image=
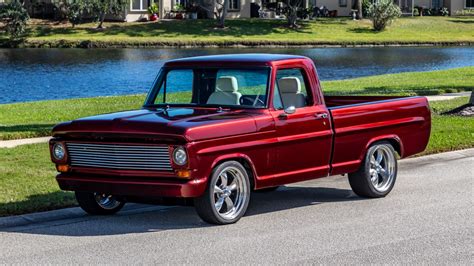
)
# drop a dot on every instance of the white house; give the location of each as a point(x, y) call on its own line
point(138, 8)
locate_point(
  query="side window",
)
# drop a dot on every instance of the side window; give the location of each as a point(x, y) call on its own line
point(293, 87)
point(177, 87)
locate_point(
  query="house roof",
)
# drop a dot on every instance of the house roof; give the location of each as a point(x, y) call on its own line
point(242, 59)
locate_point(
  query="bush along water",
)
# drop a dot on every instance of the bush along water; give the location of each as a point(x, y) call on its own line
point(382, 13)
point(15, 17)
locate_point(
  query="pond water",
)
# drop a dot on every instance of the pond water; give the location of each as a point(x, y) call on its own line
point(42, 74)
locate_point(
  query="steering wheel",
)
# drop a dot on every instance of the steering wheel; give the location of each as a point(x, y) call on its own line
point(258, 100)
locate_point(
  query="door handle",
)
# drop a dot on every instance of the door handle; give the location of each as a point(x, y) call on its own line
point(321, 115)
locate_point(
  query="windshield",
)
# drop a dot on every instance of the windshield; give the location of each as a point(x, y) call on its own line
point(212, 87)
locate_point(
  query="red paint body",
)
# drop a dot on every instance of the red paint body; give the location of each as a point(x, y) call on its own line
point(277, 151)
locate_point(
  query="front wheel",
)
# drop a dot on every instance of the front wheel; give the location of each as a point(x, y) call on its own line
point(377, 173)
point(98, 203)
point(227, 195)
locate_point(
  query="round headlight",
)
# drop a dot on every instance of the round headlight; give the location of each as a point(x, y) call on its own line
point(58, 151)
point(179, 156)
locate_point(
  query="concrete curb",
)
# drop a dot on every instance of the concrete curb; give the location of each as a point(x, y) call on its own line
point(68, 213)
point(132, 208)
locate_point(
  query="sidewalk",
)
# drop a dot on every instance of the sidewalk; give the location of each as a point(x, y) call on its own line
point(447, 96)
point(17, 142)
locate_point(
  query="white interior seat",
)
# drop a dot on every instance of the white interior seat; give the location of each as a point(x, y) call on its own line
point(290, 90)
point(227, 92)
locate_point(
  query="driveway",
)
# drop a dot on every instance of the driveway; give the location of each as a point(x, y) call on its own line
point(428, 217)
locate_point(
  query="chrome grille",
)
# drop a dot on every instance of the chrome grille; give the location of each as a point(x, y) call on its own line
point(113, 156)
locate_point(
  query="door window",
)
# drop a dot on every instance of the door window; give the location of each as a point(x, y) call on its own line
point(292, 87)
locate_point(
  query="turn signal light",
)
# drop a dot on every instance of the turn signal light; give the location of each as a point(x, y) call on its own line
point(62, 168)
point(183, 173)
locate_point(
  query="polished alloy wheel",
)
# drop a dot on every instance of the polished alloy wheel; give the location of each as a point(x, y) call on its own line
point(230, 193)
point(382, 168)
point(107, 202)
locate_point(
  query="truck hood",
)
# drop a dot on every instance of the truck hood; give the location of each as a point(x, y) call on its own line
point(190, 123)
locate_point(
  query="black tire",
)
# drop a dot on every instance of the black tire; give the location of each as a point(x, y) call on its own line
point(361, 181)
point(267, 189)
point(205, 204)
point(87, 201)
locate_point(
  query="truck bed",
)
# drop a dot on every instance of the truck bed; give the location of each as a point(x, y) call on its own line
point(359, 121)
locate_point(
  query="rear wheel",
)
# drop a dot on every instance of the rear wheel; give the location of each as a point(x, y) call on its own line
point(377, 173)
point(227, 195)
point(98, 203)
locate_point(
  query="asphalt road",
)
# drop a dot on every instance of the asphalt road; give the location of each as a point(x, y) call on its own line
point(428, 217)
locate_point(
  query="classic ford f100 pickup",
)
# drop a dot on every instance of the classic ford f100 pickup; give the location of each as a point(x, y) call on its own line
point(215, 128)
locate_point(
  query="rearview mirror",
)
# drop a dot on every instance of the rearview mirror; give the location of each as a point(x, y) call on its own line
point(290, 110)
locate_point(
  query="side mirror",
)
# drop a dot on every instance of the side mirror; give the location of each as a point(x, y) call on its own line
point(290, 110)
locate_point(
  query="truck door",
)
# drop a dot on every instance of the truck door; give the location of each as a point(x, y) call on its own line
point(302, 126)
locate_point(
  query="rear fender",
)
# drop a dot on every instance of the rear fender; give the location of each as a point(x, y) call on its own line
point(389, 138)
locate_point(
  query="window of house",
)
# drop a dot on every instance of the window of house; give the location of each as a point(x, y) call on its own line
point(234, 5)
point(435, 3)
point(139, 5)
point(293, 88)
point(469, 4)
point(342, 3)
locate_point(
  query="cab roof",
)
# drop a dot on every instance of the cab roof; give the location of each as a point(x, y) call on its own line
point(241, 59)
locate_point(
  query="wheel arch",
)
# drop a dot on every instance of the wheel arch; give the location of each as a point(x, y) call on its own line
point(244, 160)
point(394, 140)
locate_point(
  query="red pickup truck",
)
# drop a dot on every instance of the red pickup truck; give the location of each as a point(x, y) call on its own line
point(215, 128)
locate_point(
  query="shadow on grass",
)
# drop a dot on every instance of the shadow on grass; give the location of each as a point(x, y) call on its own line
point(464, 21)
point(363, 30)
point(333, 21)
point(236, 28)
point(24, 131)
point(154, 219)
point(36, 203)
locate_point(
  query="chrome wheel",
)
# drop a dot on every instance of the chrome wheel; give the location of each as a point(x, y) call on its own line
point(107, 202)
point(230, 193)
point(382, 168)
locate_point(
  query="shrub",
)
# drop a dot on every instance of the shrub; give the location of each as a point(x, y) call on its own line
point(153, 9)
point(75, 10)
point(365, 7)
point(416, 12)
point(382, 13)
point(465, 12)
point(15, 17)
point(444, 11)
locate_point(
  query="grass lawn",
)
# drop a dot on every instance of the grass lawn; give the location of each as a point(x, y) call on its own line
point(35, 119)
point(344, 31)
point(27, 181)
